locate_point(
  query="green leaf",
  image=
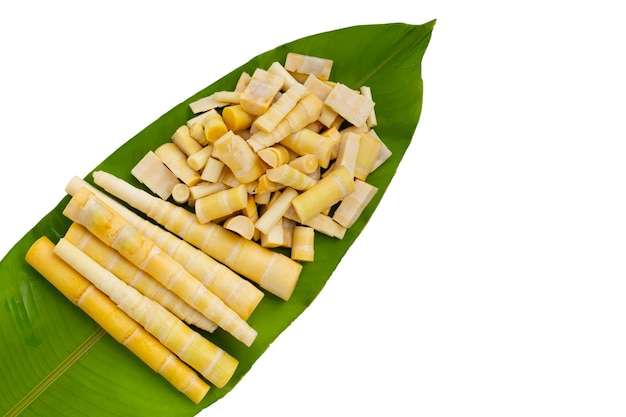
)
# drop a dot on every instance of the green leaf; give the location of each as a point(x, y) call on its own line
point(54, 360)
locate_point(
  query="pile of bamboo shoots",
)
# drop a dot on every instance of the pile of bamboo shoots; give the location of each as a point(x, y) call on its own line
point(282, 156)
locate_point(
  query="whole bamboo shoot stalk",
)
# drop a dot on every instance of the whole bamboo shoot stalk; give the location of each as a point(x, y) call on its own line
point(122, 268)
point(273, 271)
point(114, 321)
point(238, 293)
point(110, 227)
point(209, 360)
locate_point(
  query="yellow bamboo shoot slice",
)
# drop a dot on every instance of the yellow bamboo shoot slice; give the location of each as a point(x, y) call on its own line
point(212, 170)
point(348, 152)
point(321, 222)
point(176, 161)
point(372, 121)
point(211, 361)
point(260, 91)
point(238, 294)
point(351, 105)
point(235, 153)
point(277, 69)
point(180, 193)
point(114, 321)
point(307, 164)
point(114, 230)
point(306, 141)
point(302, 248)
point(326, 192)
point(273, 271)
point(353, 205)
point(291, 177)
point(276, 210)
point(370, 148)
point(197, 161)
point(279, 109)
point(306, 64)
point(240, 224)
point(185, 142)
point(274, 155)
point(236, 118)
point(222, 203)
point(213, 126)
point(153, 173)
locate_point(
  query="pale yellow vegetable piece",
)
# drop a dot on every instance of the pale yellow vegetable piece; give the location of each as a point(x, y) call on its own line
point(279, 109)
point(372, 120)
point(238, 293)
point(275, 237)
point(303, 247)
point(306, 64)
point(197, 132)
point(321, 222)
point(197, 161)
point(353, 205)
point(204, 104)
point(236, 118)
point(176, 161)
point(274, 155)
point(180, 193)
point(214, 126)
point(318, 87)
point(291, 177)
point(370, 148)
point(273, 271)
point(351, 105)
point(114, 321)
point(326, 192)
point(260, 91)
point(240, 224)
point(385, 152)
point(185, 142)
point(203, 189)
point(251, 211)
point(212, 170)
point(306, 111)
point(114, 230)
point(348, 152)
point(276, 210)
point(277, 69)
point(307, 164)
point(220, 204)
point(305, 141)
point(334, 135)
point(211, 361)
point(153, 173)
point(122, 268)
point(235, 153)
point(242, 82)
point(265, 185)
point(227, 97)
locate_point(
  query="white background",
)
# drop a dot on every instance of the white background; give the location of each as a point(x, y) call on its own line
point(491, 279)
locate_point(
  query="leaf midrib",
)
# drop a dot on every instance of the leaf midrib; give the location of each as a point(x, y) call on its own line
point(55, 374)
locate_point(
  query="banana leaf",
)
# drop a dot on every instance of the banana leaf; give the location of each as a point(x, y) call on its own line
point(54, 360)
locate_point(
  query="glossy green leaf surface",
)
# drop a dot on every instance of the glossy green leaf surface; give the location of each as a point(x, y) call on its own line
point(54, 360)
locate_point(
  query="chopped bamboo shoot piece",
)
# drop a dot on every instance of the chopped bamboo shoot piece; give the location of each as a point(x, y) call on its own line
point(326, 192)
point(114, 230)
point(214, 126)
point(320, 222)
point(348, 152)
point(180, 193)
point(274, 155)
point(212, 170)
point(372, 121)
point(261, 91)
point(212, 362)
point(235, 153)
point(291, 177)
point(220, 204)
point(307, 164)
point(206, 188)
point(279, 109)
point(353, 205)
point(241, 225)
point(276, 210)
point(153, 173)
point(185, 142)
point(176, 161)
point(114, 321)
point(236, 118)
point(305, 141)
point(277, 69)
point(370, 148)
point(306, 64)
point(302, 248)
point(197, 161)
point(351, 105)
